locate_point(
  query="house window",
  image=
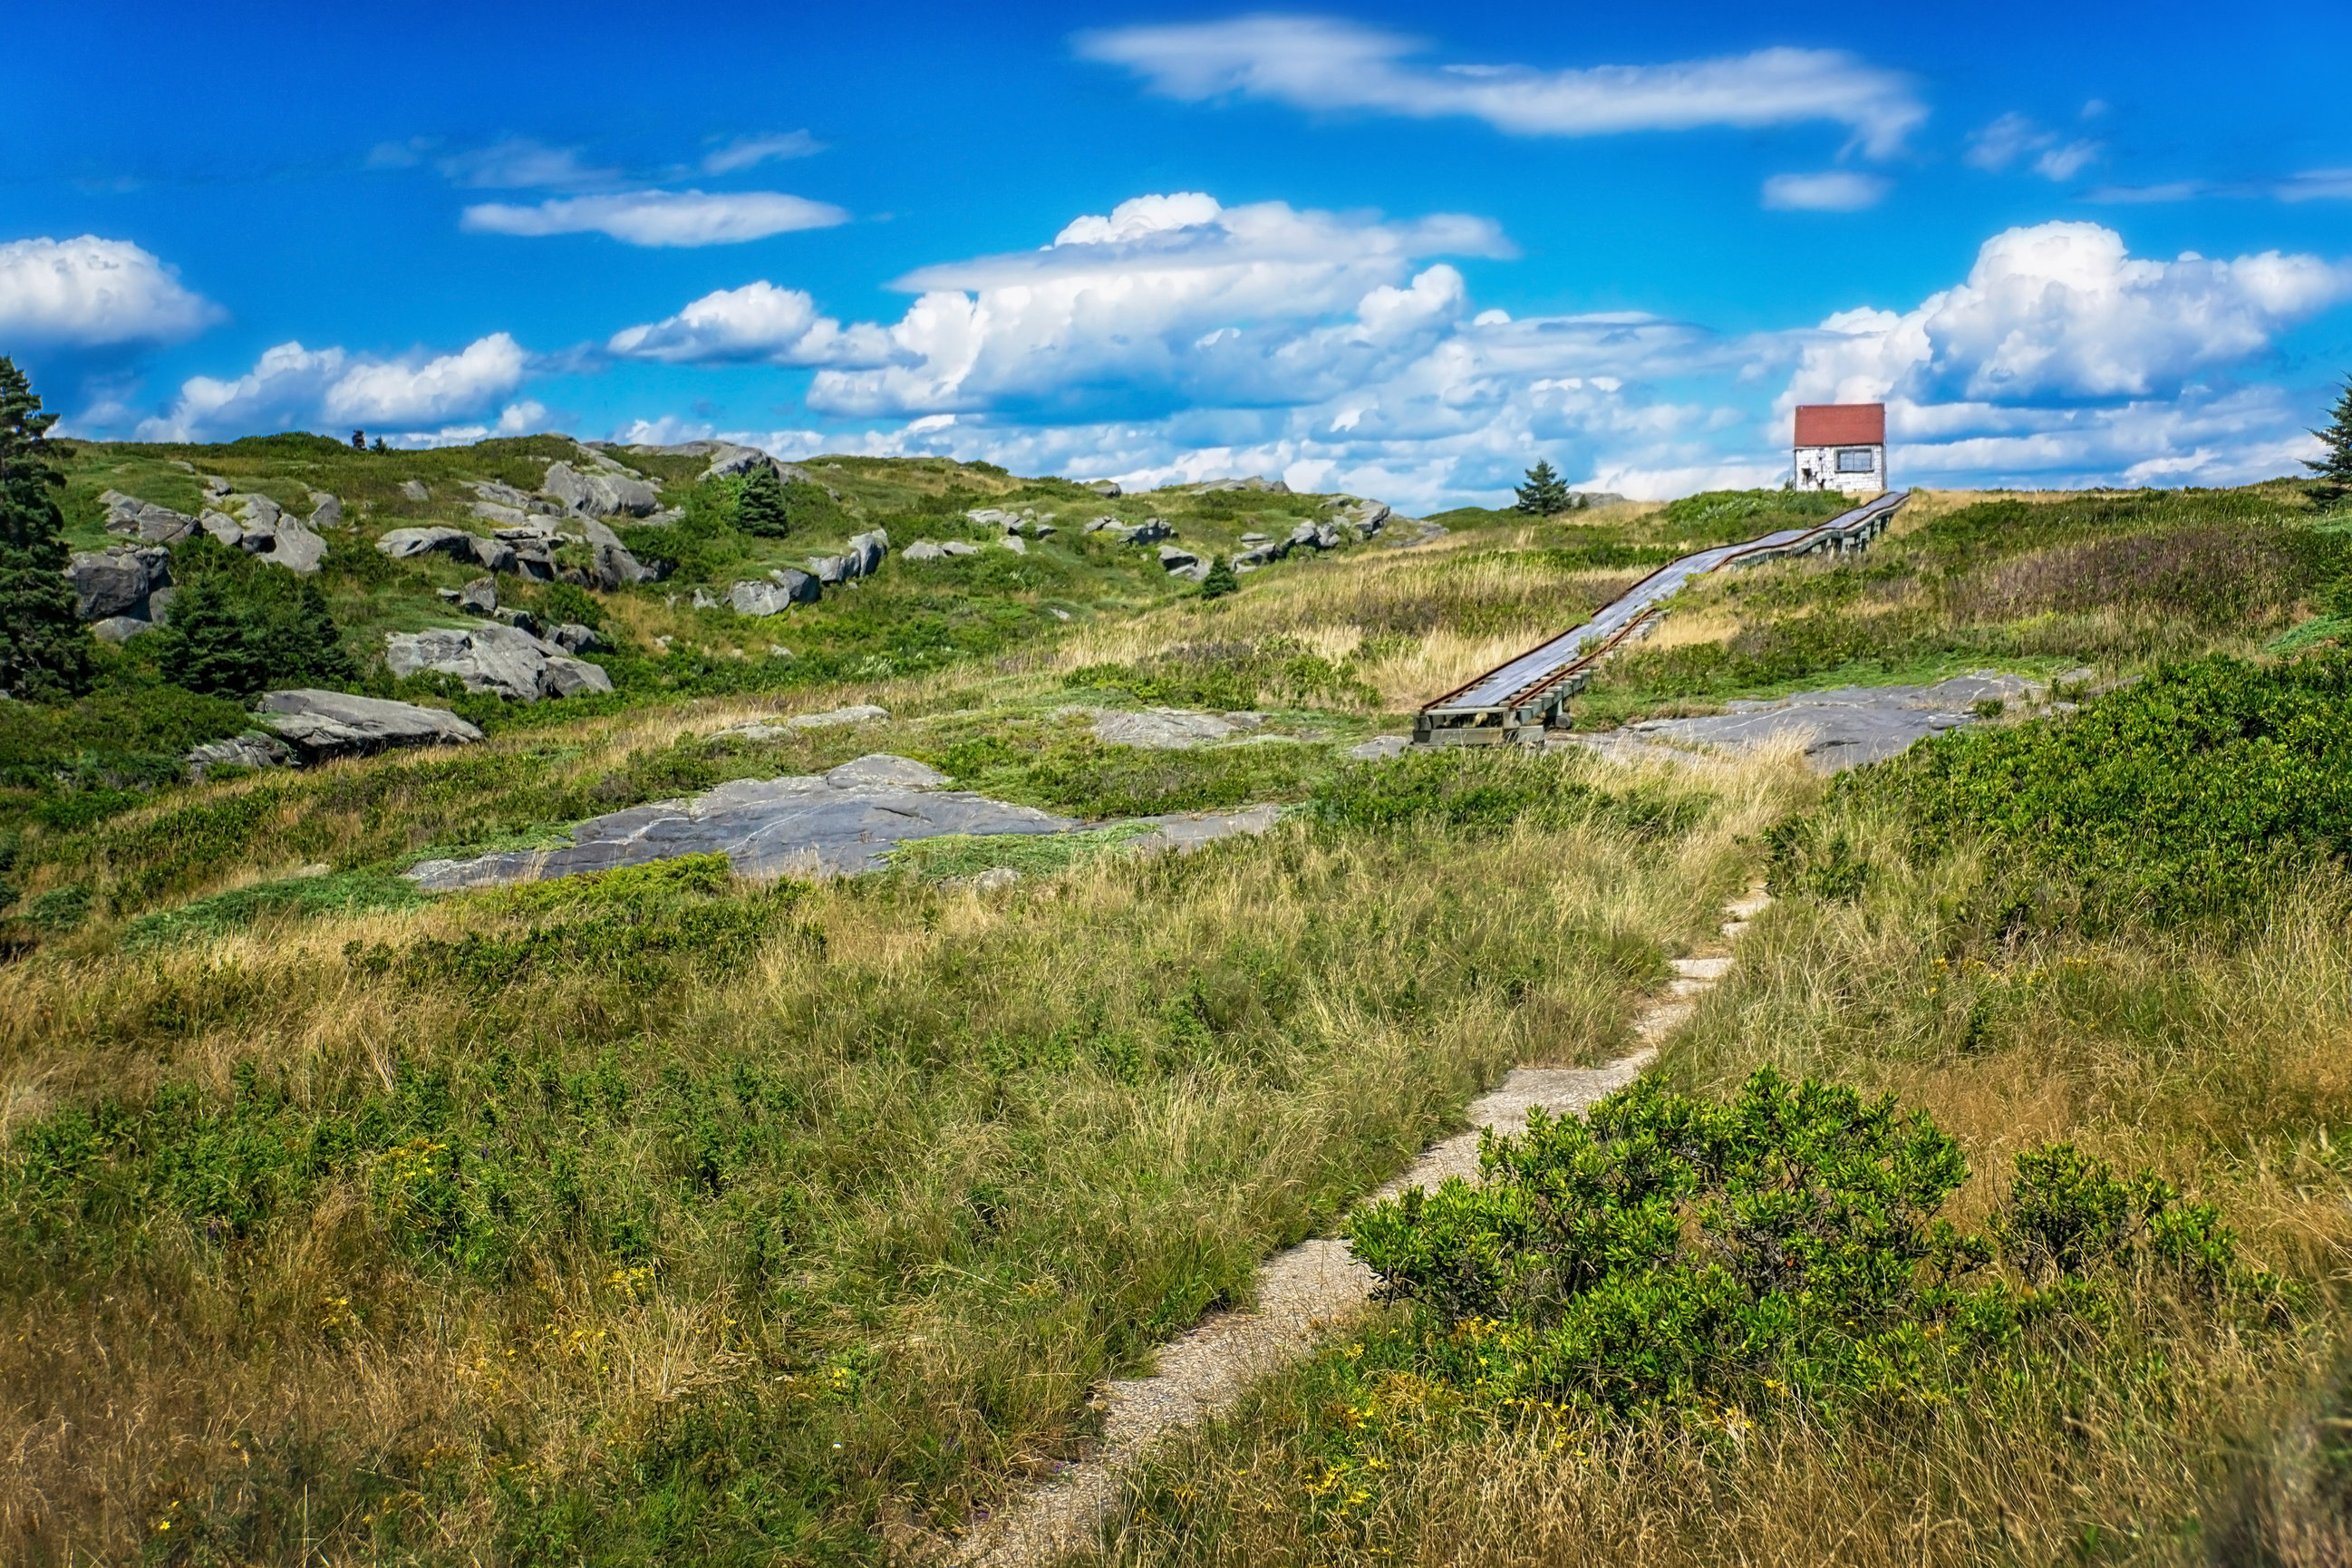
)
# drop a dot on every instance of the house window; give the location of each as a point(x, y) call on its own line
point(1855, 460)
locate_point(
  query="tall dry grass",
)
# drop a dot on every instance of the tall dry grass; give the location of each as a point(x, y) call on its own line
point(1144, 1074)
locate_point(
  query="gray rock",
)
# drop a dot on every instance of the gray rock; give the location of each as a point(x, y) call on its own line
point(145, 520)
point(321, 725)
point(776, 729)
point(254, 749)
point(522, 620)
point(119, 628)
point(727, 459)
point(216, 485)
point(599, 494)
point(1016, 544)
point(117, 580)
point(158, 604)
point(996, 878)
point(867, 550)
point(255, 510)
point(1195, 830)
point(492, 657)
point(1107, 488)
point(1843, 728)
point(326, 511)
point(774, 597)
point(1172, 559)
point(414, 490)
point(573, 638)
point(612, 566)
point(991, 517)
point(223, 527)
point(803, 825)
point(479, 597)
point(405, 543)
point(923, 550)
point(568, 677)
point(829, 569)
point(881, 768)
point(296, 548)
point(957, 547)
point(1381, 747)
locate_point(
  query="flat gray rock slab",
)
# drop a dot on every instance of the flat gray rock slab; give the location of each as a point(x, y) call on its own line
point(324, 724)
point(768, 827)
point(1381, 747)
point(1191, 830)
point(1844, 727)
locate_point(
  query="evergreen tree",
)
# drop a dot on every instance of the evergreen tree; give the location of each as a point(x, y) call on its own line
point(44, 654)
point(760, 508)
point(2335, 469)
point(1220, 579)
point(240, 627)
point(1545, 493)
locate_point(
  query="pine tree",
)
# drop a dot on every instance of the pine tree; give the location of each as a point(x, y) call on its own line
point(1220, 579)
point(760, 508)
point(2335, 469)
point(1545, 493)
point(239, 626)
point(44, 654)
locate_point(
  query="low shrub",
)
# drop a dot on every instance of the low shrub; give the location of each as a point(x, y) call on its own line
point(2186, 796)
point(1673, 1252)
point(293, 898)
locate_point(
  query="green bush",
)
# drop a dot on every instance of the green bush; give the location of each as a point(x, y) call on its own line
point(1672, 1252)
point(351, 892)
point(238, 625)
point(2186, 796)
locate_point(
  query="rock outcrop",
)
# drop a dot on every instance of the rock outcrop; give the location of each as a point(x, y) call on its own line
point(406, 543)
point(492, 658)
point(603, 492)
point(254, 749)
point(1150, 531)
point(843, 821)
point(780, 593)
point(322, 725)
point(117, 581)
point(145, 521)
point(611, 566)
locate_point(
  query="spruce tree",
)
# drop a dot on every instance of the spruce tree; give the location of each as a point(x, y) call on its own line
point(1545, 493)
point(1220, 579)
point(2335, 467)
point(760, 508)
point(240, 627)
point(44, 653)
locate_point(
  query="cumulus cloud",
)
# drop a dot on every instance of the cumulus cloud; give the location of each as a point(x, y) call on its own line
point(1173, 338)
point(1167, 299)
point(92, 293)
point(291, 386)
point(1329, 63)
point(2012, 137)
point(758, 322)
point(742, 152)
point(659, 218)
point(1831, 191)
point(2061, 311)
point(417, 390)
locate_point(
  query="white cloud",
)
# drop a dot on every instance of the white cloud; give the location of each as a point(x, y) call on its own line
point(1328, 63)
point(291, 386)
point(91, 292)
point(659, 218)
point(756, 322)
point(524, 419)
point(2061, 311)
point(1167, 299)
point(411, 392)
point(750, 151)
point(519, 163)
point(1831, 190)
point(2013, 136)
point(1173, 338)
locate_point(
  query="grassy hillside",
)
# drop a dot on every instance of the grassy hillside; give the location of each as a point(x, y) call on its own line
point(663, 1216)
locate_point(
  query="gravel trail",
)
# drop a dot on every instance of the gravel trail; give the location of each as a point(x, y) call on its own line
point(1302, 1293)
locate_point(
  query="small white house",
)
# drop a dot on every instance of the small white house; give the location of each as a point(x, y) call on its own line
point(1841, 447)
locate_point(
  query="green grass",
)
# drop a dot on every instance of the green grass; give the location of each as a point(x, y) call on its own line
point(290, 899)
point(956, 856)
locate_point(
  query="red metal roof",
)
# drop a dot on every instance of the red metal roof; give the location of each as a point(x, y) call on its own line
point(1841, 423)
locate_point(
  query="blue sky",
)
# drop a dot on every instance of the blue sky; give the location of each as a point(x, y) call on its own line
point(1401, 250)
